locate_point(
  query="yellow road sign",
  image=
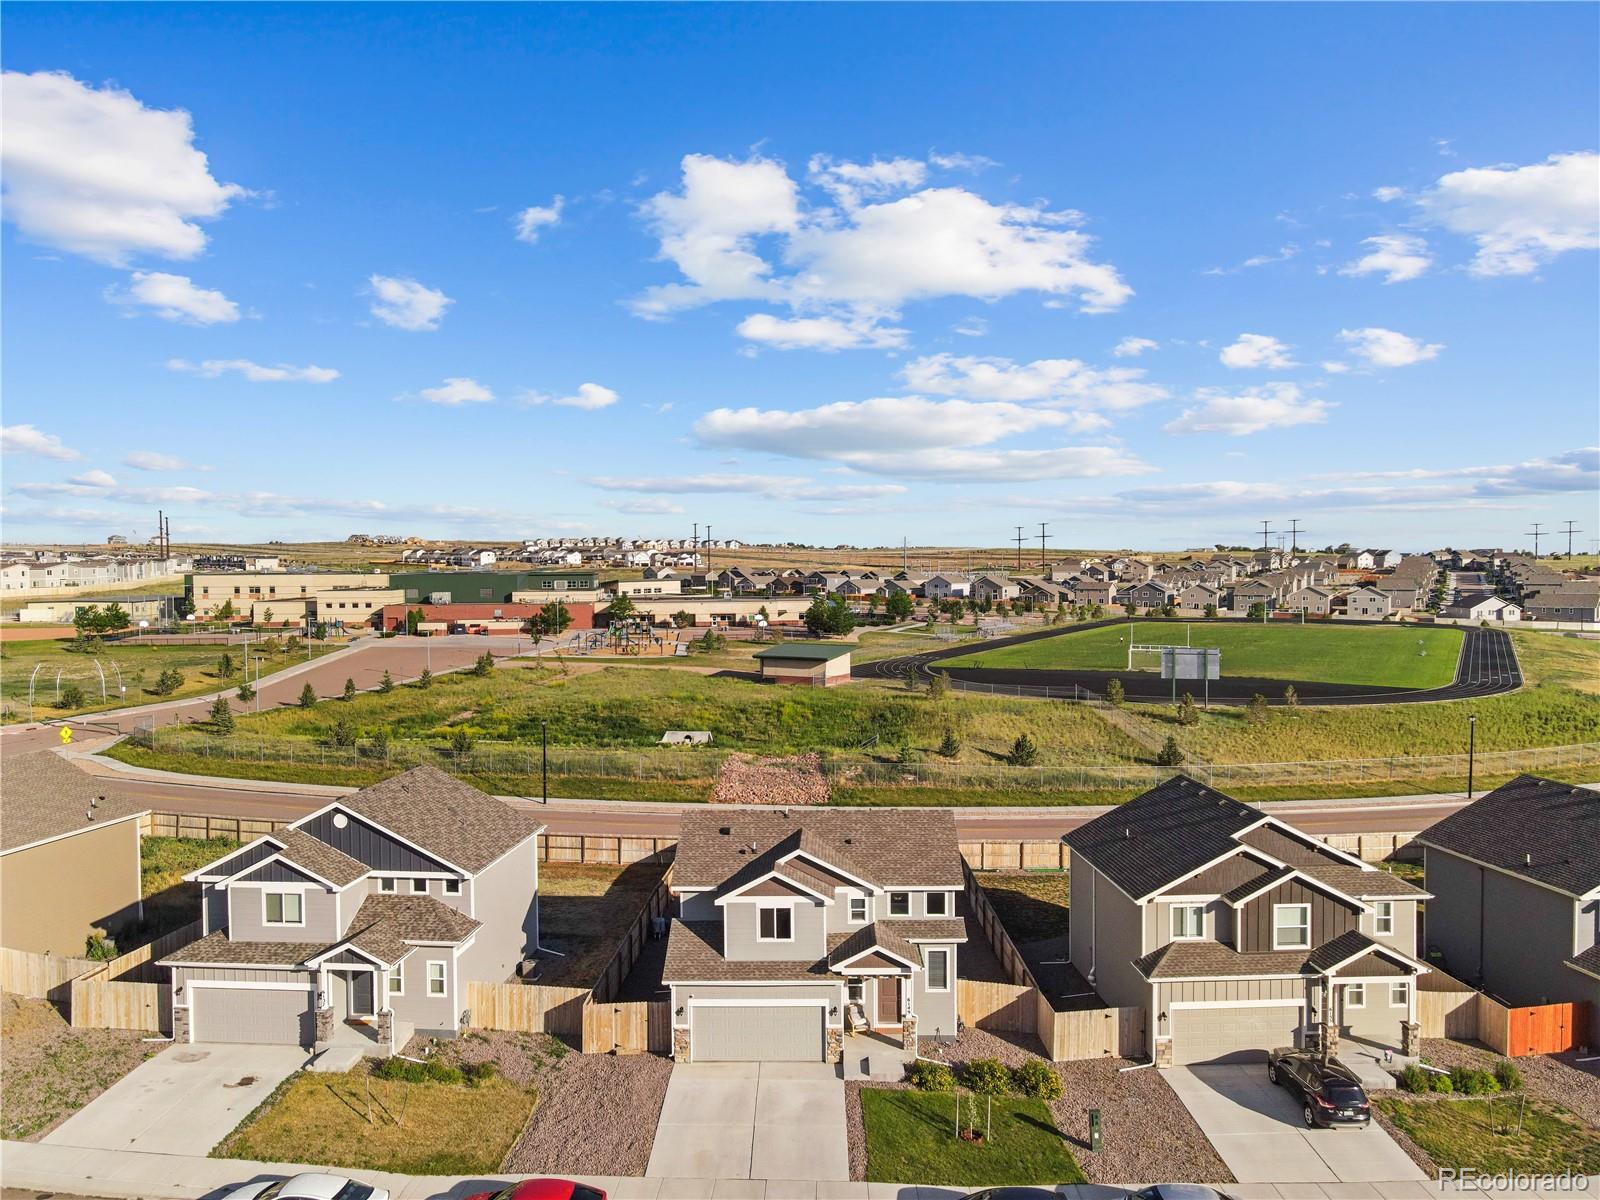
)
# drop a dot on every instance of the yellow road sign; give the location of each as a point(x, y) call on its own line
point(66, 735)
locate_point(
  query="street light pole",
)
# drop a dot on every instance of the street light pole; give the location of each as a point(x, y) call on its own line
point(544, 761)
point(1472, 747)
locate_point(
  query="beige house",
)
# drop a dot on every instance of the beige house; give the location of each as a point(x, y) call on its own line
point(69, 856)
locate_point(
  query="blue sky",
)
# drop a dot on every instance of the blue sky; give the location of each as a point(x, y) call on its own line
point(1151, 274)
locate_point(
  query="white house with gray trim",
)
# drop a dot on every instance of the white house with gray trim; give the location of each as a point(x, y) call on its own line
point(795, 928)
point(362, 922)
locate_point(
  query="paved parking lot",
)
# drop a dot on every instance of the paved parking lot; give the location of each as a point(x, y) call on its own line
point(1256, 1128)
point(183, 1101)
point(752, 1121)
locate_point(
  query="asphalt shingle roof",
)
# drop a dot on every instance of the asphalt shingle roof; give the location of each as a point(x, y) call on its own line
point(217, 948)
point(1588, 961)
point(42, 795)
point(694, 955)
point(1539, 829)
point(1213, 960)
point(444, 816)
point(322, 860)
point(877, 936)
point(385, 925)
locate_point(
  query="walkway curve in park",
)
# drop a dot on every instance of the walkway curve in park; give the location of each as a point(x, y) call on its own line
point(1487, 667)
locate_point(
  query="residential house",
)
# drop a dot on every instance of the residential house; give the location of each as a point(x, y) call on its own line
point(858, 588)
point(1483, 606)
point(1311, 600)
point(911, 585)
point(1094, 591)
point(1384, 559)
point(1515, 878)
point(1564, 604)
point(69, 855)
point(1254, 591)
point(794, 927)
point(1197, 597)
point(1368, 602)
point(1153, 593)
point(363, 921)
point(1237, 932)
point(946, 587)
point(993, 588)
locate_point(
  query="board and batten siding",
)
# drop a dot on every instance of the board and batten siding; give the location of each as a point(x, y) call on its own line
point(182, 975)
point(1329, 917)
point(1212, 991)
point(370, 845)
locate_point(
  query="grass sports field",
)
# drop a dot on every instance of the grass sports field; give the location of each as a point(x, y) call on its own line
point(1385, 656)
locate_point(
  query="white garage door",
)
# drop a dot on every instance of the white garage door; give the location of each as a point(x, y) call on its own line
point(1202, 1035)
point(766, 1033)
point(274, 1016)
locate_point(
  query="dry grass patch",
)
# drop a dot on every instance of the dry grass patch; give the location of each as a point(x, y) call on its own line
point(584, 911)
point(1032, 905)
point(357, 1120)
point(49, 1070)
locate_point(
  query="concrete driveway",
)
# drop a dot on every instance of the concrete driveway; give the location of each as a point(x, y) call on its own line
point(1257, 1129)
point(183, 1101)
point(752, 1121)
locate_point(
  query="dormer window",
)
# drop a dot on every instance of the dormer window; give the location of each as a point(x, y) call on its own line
point(776, 924)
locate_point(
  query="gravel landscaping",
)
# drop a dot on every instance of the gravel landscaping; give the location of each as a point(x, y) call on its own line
point(50, 1070)
point(1131, 1106)
point(596, 1113)
point(1558, 1078)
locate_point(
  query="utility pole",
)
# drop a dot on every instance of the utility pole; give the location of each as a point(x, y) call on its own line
point(1294, 536)
point(1569, 531)
point(1266, 536)
point(1537, 533)
point(903, 567)
point(1019, 549)
point(708, 559)
point(1041, 547)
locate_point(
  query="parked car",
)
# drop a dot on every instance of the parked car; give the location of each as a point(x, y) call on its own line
point(1330, 1093)
point(543, 1189)
point(310, 1185)
point(1178, 1191)
point(1014, 1193)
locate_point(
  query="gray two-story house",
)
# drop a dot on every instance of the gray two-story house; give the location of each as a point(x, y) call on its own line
point(362, 922)
point(1517, 877)
point(1237, 932)
point(794, 927)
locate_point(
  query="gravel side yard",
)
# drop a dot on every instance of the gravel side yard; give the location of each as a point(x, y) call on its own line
point(1558, 1078)
point(1131, 1105)
point(596, 1113)
point(50, 1070)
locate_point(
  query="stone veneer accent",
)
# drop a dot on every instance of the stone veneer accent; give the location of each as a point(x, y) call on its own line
point(908, 1032)
point(1330, 1038)
point(1410, 1037)
point(1163, 1052)
point(834, 1049)
point(386, 1030)
point(180, 1025)
point(325, 1024)
point(680, 1043)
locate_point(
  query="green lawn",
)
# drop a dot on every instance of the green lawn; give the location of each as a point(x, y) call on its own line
point(911, 1139)
point(1469, 1133)
point(169, 902)
point(1410, 656)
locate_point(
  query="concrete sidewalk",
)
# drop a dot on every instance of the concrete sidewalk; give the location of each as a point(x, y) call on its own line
point(133, 1175)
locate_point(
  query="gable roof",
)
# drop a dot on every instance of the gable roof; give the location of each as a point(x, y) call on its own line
point(43, 796)
point(443, 816)
point(1537, 829)
point(870, 938)
point(901, 848)
point(384, 926)
point(317, 857)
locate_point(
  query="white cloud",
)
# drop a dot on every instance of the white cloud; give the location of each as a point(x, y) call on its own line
point(1132, 347)
point(1396, 256)
point(29, 439)
point(742, 231)
point(784, 486)
point(1520, 217)
point(997, 466)
point(94, 172)
point(456, 391)
point(1387, 195)
point(1386, 348)
point(95, 478)
point(589, 396)
point(176, 298)
point(1336, 368)
point(407, 304)
point(956, 161)
point(971, 327)
point(820, 333)
point(1270, 406)
point(1282, 254)
point(212, 368)
point(532, 220)
point(1255, 351)
point(153, 460)
point(651, 507)
point(1057, 382)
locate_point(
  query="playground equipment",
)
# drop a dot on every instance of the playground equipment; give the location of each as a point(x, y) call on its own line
point(632, 636)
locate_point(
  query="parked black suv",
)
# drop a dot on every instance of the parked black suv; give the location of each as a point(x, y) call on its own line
point(1330, 1094)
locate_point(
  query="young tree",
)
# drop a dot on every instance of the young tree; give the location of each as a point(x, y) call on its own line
point(425, 680)
point(321, 631)
point(938, 686)
point(553, 619)
point(343, 733)
point(246, 692)
point(114, 618)
point(386, 684)
point(829, 617)
point(1256, 711)
point(460, 741)
point(682, 619)
point(1023, 752)
point(1257, 611)
point(221, 715)
point(169, 681)
point(1170, 754)
point(227, 612)
point(379, 745)
point(1188, 711)
point(225, 666)
point(1115, 694)
point(950, 744)
point(899, 606)
point(414, 618)
point(1291, 698)
point(621, 608)
point(349, 689)
point(86, 620)
point(308, 696)
point(482, 665)
point(266, 616)
point(1211, 610)
point(873, 600)
point(71, 697)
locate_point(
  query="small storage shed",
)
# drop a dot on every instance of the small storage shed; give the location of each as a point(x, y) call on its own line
point(815, 664)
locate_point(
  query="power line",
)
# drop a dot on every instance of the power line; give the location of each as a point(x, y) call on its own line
point(1294, 536)
point(1266, 535)
point(1569, 531)
point(1041, 547)
point(1019, 549)
point(1537, 533)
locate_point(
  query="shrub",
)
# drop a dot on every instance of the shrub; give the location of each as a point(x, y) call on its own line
point(484, 663)
point(71, 697)
point(1291, 698)
point(1508, 1076)
point(99, 947)
point(930, 1076)
point(1035, 1078)
point(987, 1077)
point(1023, 752)
point(938, 686)
point(1170, 754)
point(344, 732)
point(386, 684)
point(430, 1071)
point(1441, 1083)
point(1473, 1082)
point(425, 680)
point(1115, 693)
point(1256, 711)
point(1413, 1079)
point(1188, 711)
point(479, 1073)
point(950, 745)
point(349, 689)
point(460, 741)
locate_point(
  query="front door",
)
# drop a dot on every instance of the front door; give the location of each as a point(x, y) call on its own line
point(889, 1000)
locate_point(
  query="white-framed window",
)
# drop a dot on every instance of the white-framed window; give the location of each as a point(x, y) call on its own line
point(936, 904)
point(1291, 926)
point(452, 887)
point(419, 887)
point(1383, 917)
point(1355, 995)
point(899, 904)
point(283, 908)
point(1188, 921)
point(387, 885)
point(775, 923)
point(857, 991)
point(1399, 995)
point(857, 910)
point(937, 963)
point(396, 982)
point(437, 985)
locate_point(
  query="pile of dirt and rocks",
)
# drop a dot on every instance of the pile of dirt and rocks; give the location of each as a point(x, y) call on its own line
point(789, 781)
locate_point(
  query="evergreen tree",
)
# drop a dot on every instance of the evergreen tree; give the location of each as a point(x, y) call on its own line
point(386, 684)
point(950, 745)
point(246, 692)
point(425, 680)
point(308, 696)
point(349, 689)
point(221, 715)
point(1116, 696)
point(1170, 754)
point(1023, 752)
point(1256, 711)
point(1188, 712)
point(225, 666)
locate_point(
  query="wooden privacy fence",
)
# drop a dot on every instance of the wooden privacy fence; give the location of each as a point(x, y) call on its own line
point(1025, 855)
point(604, 848)
point(1448, 1014)
point(997, 1007)
point(527, 1008)
point(632, 944)
point(1092, 1032)
point(1546, 1028)
point(627, 1027)
point(201, 825)
point(40, 976)
point(129, 991)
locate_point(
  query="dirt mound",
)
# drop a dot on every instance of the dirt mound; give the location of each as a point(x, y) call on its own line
point(791, 780)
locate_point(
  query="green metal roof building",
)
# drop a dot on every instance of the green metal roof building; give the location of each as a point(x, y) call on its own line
point(815, 664)
point(476, 587)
